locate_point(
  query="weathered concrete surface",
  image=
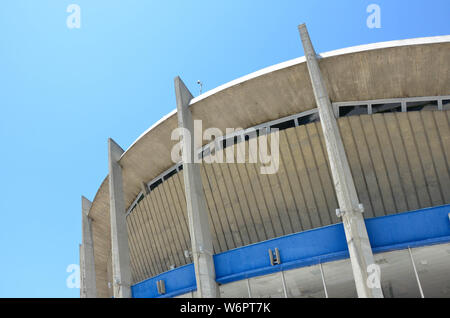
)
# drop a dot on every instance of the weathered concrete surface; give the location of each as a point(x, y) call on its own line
point(389, 70)
point(87, 266)
point(245, 207)
point(119, 233)
point(200, 232)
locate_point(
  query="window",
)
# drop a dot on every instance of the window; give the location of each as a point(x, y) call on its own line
point(305, 282)
point(386, 108)
point(308, 119)
point(418, 106)
point(353, 110)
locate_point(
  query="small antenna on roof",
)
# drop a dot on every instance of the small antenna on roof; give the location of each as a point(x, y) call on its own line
point(201, 86)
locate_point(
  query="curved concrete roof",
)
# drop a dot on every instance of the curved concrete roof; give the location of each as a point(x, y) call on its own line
point(405, 68)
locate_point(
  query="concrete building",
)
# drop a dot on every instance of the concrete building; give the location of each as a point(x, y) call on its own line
point(363, 131)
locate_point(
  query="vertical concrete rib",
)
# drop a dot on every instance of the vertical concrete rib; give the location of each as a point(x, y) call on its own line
point(119, 232)
point(212, 207)
point(201, 239)
point(220, 207)
point(87, 265)
point(355, 229)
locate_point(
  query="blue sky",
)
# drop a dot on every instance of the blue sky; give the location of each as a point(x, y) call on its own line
point(64, 91)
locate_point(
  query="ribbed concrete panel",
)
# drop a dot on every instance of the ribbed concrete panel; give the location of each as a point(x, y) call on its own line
point(400, 162)
point(399, 69)
point(415, 67)
point(158, 231)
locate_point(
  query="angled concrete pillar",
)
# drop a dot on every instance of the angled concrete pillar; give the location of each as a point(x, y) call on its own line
point(119, 233)
point(201, 239)
point(350, 209)
point(87, 264)
point(82, 285)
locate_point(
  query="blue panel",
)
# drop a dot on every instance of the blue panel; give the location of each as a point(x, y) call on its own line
point(296, 250)
point(417, 228)
point(422, 227)
point(178, 281)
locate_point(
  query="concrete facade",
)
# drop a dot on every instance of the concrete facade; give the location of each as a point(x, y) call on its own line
point(246, 207)
point(398, 160)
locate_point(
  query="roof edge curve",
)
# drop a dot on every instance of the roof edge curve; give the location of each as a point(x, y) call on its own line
point(295, 61)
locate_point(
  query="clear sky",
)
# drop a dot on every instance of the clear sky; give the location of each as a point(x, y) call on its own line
point(64, 91)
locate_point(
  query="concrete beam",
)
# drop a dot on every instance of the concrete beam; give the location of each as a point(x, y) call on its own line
point(201, 238)
point(87, 263)
point(119, 232)
point(361, 255)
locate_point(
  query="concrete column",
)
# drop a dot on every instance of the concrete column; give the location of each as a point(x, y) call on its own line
point(119, 233)
point(350, 209)
point(201, 239)
point(87, 264)
point(82, 285)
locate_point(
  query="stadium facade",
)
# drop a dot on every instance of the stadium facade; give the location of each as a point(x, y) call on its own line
point(372, 119)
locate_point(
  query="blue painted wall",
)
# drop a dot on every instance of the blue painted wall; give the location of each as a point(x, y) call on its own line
point(178, 281)
point(399, 231)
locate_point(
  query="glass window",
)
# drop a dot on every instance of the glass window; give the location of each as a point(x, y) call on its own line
point(397, 275)
point(237, 289)
point(305, 282)
point(353, 110)
point(339, 279)
point(446, 104)
point(424, 105)
point(386, 108)
point(308, 119)
point(433, 268)
point(268, 286)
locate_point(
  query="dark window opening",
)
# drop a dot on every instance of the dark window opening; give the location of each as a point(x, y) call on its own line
point(386, 108)
point(155, 184)
point(251, 134)
point(446, 104)
point(284, 125)
point(170, 174)
point(425, 105)
point(353, 110)
point(236, 139)
point(308, 119)
point(226, 142)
